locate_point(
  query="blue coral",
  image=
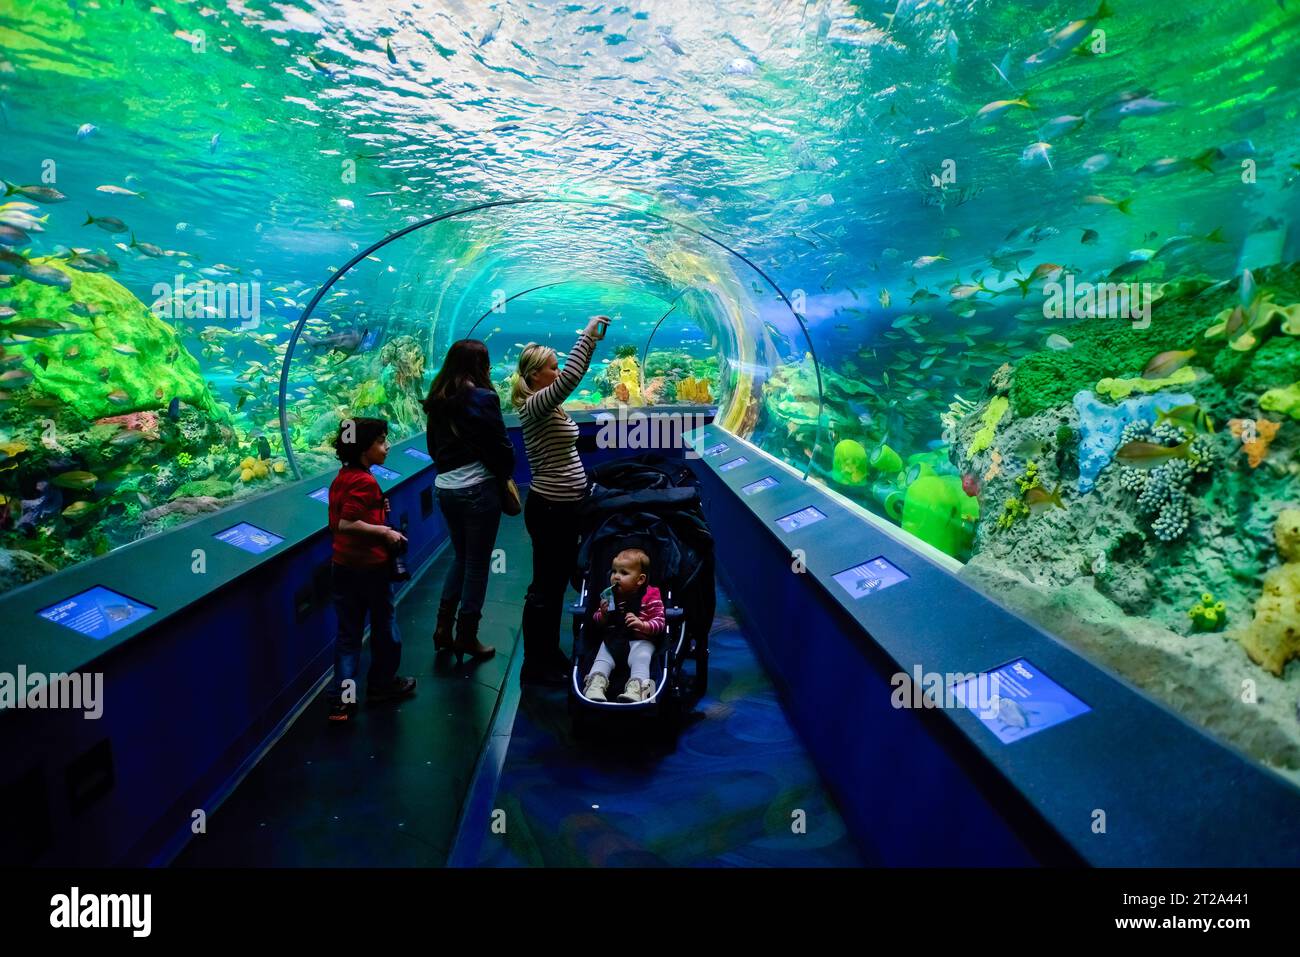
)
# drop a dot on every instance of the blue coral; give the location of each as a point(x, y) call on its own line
point(1101, 423)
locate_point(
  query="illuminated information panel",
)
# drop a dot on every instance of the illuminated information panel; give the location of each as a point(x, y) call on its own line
point(249, 537)
point(96, 612)
point(870, 577)
point(1017, 700)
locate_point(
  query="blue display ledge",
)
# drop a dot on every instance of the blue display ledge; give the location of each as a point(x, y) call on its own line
point(194, 690)
point(1116, 780)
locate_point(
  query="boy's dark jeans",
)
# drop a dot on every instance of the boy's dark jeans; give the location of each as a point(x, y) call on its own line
point(359, 592)
point(473, 515)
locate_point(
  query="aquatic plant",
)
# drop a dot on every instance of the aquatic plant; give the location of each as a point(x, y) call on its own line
point(1162, 492)
point(1208, 614)
point(1272, 637)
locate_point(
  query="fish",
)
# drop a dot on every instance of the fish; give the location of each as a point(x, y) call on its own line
point(127, 437)
point(86, 130)
point(921, 295)
point(1129, 104)
point(669, 42)
point(1059, 126)
point(117, 191)
point(117, 396)
point(109, 224)
point(1149, 455)
point(388, 51)
point(1128, 268)
point(1066, 40)
point(1168, 165)
point(212, 143)
point(1058, 342)
point(966, 290)
point(970, 484)
point(119, 612)
point(78, 510)
point(1036, 154)
point(38, 328)
point(884, 298)
point(85, 309)
point(1098, 200)
point(81, 481)
point(42, 194)
point(1005, 261)
point(1190, 418)
point(1176, 244)
point(126, 349)
point(7, 312)
point(1096, 163)
point(922, 261)
point(47, 275)
point(174, 409)
point(990, 111)
point(148, 249)
point(11, 263)
point(1040, 499)
point(1089, 237)
point(13, 236)
point(1031, 449)
point(1167, 363)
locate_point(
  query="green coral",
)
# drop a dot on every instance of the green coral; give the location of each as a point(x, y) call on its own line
point(1208, 614)
point(982, 439)
point(1276, 361)
point(1107, 346)
point(213, 487)
point(1012, 511)
point(937, 510)
point(1119, 389)
point(124, 352)
point(850, 463)
point(1283, 401)
point(184, 460)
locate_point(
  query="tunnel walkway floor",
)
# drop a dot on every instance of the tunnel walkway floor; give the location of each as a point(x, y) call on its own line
point(416, 783)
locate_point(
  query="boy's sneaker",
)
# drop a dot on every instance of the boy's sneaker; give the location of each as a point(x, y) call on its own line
point(402, 686)
point(594, 688)
point(341, 713)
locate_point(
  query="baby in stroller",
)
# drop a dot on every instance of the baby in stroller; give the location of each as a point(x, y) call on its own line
point(630, 616)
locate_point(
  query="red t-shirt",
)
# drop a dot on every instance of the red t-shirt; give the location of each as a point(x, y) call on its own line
point(355, 495)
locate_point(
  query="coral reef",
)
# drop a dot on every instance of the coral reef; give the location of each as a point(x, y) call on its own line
point(851, 465)
point(1162, 492)
point(1117, 389)
point(1272, 638)
point(1283, 401)
point(1255, 436)
point(120, 359)
point(1208, 614)
point(989, 420)
point(937, 510)
point(1100, 425)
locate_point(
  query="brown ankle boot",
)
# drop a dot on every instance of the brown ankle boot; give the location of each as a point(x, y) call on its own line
point(442, 640)
point(467, 642)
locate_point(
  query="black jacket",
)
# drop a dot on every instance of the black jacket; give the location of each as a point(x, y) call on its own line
point(479, 433)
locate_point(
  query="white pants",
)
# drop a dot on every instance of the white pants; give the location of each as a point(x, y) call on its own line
point(639, 654)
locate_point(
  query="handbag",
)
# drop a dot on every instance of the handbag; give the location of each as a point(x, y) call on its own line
point(511, 502)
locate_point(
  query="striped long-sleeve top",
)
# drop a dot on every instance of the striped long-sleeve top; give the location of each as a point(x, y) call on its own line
point(651, 613)
point(551, 436)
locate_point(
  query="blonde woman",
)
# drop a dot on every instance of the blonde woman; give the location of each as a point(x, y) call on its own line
point(559, 486)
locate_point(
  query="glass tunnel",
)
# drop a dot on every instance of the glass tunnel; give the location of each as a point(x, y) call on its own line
point(1018, 283)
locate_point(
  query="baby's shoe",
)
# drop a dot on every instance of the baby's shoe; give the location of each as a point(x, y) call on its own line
point(632, 693)
point(593, 689)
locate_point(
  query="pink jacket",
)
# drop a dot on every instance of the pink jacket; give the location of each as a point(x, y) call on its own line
point(652, 612)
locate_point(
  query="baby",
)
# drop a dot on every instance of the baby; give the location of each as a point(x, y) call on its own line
point(630, 612)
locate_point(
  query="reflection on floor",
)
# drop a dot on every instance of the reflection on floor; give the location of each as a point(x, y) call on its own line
point(728, 794)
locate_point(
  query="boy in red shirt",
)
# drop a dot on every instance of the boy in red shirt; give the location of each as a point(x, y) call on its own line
point(363, 545)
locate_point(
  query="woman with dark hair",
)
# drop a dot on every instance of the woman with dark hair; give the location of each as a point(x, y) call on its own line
point(467, 439)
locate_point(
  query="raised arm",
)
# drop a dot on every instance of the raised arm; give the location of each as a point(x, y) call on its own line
point(543, 401)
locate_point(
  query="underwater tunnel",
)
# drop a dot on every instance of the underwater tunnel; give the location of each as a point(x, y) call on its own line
point(975, 332)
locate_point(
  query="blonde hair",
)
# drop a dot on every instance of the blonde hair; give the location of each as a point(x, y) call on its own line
point(531, 361)
point(635, 555)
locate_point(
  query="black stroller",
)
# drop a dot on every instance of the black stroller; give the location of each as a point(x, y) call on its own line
point(653, 504)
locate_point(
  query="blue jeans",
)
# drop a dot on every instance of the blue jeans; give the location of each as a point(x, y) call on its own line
point(473, 515)
point(359, 592)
